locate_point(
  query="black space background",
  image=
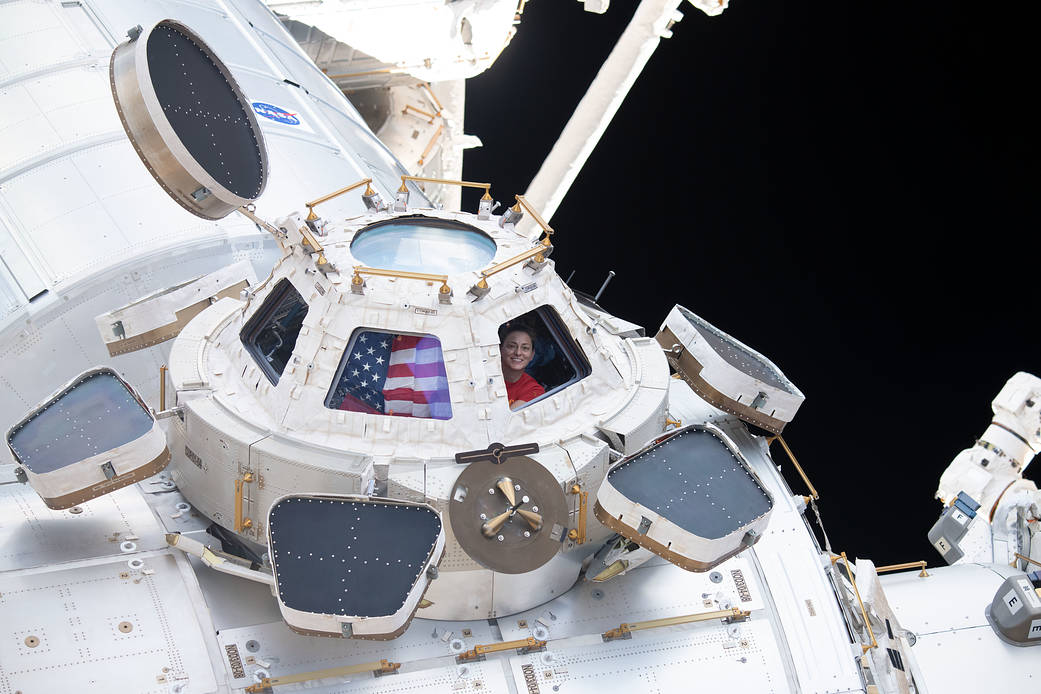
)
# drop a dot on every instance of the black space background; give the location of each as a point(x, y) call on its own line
point(847, 188)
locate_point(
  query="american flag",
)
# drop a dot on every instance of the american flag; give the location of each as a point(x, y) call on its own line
point(402, 375)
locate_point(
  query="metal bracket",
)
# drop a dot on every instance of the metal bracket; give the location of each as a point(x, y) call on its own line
point(496, 453)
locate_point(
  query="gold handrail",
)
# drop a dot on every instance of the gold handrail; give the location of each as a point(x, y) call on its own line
point(410, 107)
point(627, 628)
point(921, 564)
point(241, 523)
point(531, 252)
point(383, 667)
point(430, 145)
point(791, 456)
point(1032, 561)
point(379, 272)
point(523, 202)
point(578, 535)
point(433, 96)
point(466, 184)
point(162, 387)
point(863, 612)
point(529, 644)
point(311, 216)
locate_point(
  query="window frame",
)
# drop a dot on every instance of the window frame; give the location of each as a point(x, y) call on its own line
point(567, 345)
point(345, 359)
point(259, 320)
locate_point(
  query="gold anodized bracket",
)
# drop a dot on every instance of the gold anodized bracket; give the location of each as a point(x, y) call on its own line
point(791, 456)
point(863, 612)
point(921, 564)
point(367, 182)
point(310, 241)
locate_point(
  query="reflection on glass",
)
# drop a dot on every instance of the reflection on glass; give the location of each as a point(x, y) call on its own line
point(400, 375)
point(93, 416)
point(271, 333)
point(422, 244)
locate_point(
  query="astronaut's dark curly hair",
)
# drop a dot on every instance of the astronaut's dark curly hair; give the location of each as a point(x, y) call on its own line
point(517, 326)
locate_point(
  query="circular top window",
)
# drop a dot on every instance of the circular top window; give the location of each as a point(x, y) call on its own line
point(423, 244)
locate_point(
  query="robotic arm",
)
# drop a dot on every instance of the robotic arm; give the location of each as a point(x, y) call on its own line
point(988, 478)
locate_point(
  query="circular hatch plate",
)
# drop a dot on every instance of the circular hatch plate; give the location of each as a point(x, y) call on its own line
point(188, 120)
point(509, 535)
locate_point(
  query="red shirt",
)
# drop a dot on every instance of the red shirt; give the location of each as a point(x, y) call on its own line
point(524, 388)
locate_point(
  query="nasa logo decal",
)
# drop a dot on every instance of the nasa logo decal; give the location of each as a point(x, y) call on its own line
point(275, 113)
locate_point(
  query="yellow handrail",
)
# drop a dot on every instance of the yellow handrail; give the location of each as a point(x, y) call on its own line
point(921, 564)
point(863, 612)
point(1032, 561)
point(430, 145)
point(626, 628)
point(379, 272)
point(523, 202)
point(410, 107)
point(433, 97)
point(367, 182)
point(381, 666)
point(536, 252)
point(162, 387)
point(791, 456)
point(466, 184)
point(530, 643)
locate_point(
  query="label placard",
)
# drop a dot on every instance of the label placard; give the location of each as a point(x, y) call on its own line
point(1012, 602)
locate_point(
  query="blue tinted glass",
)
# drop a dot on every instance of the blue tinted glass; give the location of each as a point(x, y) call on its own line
point(423, 245)
point(94, 416)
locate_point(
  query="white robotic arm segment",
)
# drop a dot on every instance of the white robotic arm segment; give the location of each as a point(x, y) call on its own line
point(991, 474)
point(1017, 410)
point(1004, 450)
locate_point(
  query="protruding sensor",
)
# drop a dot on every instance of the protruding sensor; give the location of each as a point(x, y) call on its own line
point(188, 120)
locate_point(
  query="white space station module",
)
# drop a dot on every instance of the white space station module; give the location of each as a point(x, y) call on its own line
point(318, 431)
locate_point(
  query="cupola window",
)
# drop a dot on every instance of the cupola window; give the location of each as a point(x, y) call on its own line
point(423, 244)
point(392, 374)
point(270, 335)
point(538, 357)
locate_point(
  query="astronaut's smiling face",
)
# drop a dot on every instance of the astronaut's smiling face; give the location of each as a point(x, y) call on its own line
point(516, 352)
